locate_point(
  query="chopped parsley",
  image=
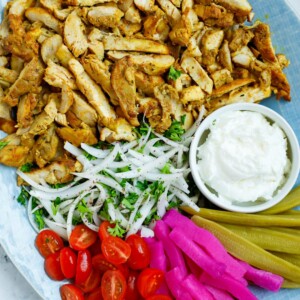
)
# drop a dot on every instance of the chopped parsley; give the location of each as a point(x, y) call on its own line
point(23, 196)
point(3, 144)
point(124, 169)
point(176, 130)
point(129, 201)
point(173, 73)
point(142, 185)
point(89, 156)
point(84, 210)
point(39, 214)
point(58, 185)
point(55, 204)
point(166, 169)
point(27, 167)
point(156, 189)
point(117, 230)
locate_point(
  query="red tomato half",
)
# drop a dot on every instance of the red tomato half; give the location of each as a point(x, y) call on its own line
point(95, 249)
point(68, 261)
point(48, 241)
point(140, 255)
point(101, 264)
point(83, 266)
point(159, 297)
point(52, 266)
point(131, 291)
point(149, 281)
point(115, 250)
point(103, 230)
point(82, 237)
point(113, 285)
point(92, 282)
point(70, 292)
point(95, 295)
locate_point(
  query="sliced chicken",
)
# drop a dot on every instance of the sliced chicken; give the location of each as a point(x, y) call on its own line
point(172, 12)
point(85, 2)
point(221, 77)
point(123, 83)
point(192, 94)
point(26, 107)
point(198, 74)
point(134, 44)
point(49, 48)
point(225, 56)
point(74, 34)
point(99, 71)
point(240, 38)
point(239, 7)
point(67, 99)
point(8, 75)
point(145, 5)
point(64, 55)
point(7, 124)
point(107, 16)
point(243, 57)
point(29, 80)
point(156, 27)
point(133, 15)
point(146, 83)
point(58, 76)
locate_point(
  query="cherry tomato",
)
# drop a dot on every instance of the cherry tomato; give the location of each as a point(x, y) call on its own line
point(124, 269)
point(92, 282)
point(131, 291)
point(115, 250)
point(52, 266)
point(68, 260)
point(149, 281)
point(159, 297)
point(101, 264)
point(95, 295)
point(83, 266)
point(113, 285)
point(70, 292)
point(82, 237)
point(48, 241)
point(103, 229)
point(140, 255)
point(95, 249)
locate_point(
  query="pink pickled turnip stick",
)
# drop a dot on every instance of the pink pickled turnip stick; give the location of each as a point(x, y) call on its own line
point(264, 279)
point(196, 289)
point(206, 240)
point(199, 256)
point(232, 286)
point(218, 294)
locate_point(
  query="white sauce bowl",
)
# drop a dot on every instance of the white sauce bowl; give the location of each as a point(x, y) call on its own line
point(293, 155)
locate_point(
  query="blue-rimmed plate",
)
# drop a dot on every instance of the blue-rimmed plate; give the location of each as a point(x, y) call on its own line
point(17, 236)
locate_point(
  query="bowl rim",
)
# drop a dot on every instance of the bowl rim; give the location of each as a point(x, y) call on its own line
point(293, 143)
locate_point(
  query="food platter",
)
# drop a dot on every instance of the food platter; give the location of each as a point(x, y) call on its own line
point(17, 236)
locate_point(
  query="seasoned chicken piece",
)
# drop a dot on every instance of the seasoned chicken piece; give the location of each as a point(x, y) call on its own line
point(172, 12)
point(169, 100)
point(183, 81)
point(64, 55)
point(225, 56)
point(7, 124)
point(281, 84)
point(42, 122)
point(59, 76)
point(29, 80)
point(263, 43)
point(93, 93)
point(133, 44)
point(74, 34)
point(123, 83)
point(55, 7)
point(198, 74)
point(84, 111)
point(8, 75)
point(149, 106)
point(240, 38)
point(221, 77)
point(124, 4)
point(243, 57)
point(73, 120)
point(145, 5)
point(156, 27)
point(39, 14)
point(99, 71)
point(76, 136)
point(210, 44)
point(16, 63)
point(97, 48)
point(239, 7)
point(61, 119)
point(49, 48)
point(129, 29)
point(3, 61)
point(133, 15)
point(146, 83)
point(46, 147)
point(26, 107)
point(119, 130)
point(57, 172)
point(85, 2)
point(235, 84)
point(282, 60)
point(151, 64)
point(243, 94)
point(191, 94)
point(67, 99)
point(104, 15)
point(18, 7)
point(51, 5)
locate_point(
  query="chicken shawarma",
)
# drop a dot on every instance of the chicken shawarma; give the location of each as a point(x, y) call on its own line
point(86, 71)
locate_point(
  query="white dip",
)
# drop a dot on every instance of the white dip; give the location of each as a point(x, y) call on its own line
point(244, 157)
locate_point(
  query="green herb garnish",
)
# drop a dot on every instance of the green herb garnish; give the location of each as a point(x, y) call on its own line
point(27, 167)
point(55, 204)
point(173, 73)
point(23, 196)
point(175, 131)
point(117, 230)
point(3, 144)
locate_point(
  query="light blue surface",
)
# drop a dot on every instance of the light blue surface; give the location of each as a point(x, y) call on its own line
point(17, 236)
